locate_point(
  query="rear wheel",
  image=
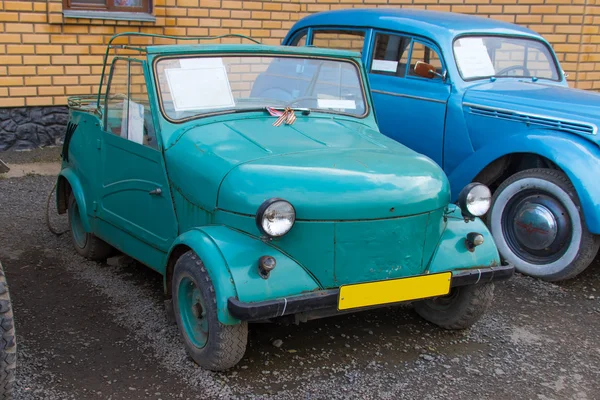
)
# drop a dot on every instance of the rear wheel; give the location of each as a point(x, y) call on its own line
point(8, 345)
point(538, 226)
point(211, 344)
point(86, 243)
point(460, 309)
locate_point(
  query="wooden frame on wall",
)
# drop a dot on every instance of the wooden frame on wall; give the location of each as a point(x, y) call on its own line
point(145, 6)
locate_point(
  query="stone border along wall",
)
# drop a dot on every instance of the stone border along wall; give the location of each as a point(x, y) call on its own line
point(30, 127)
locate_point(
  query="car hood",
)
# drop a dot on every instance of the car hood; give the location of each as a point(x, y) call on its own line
point(539, 105)
point(339, 184)
point(329, 169)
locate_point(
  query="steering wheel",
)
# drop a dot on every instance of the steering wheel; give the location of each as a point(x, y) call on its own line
point(301, 99)
point(514, 68)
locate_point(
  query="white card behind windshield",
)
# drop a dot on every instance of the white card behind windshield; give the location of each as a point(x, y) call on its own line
point(473, 58)
point(337, 104)
point(200, 87)
point(204, 62)
point(471, 42)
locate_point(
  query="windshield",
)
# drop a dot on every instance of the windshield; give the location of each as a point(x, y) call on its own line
point(193, 87)
point(486, 56)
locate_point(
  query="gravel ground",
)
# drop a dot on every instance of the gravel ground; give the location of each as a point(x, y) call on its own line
point(46, 154)
point(95, 331)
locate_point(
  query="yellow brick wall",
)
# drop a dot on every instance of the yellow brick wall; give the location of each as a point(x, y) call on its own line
point(44, 58)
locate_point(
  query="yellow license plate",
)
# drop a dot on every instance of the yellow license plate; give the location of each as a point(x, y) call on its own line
point(394, 291)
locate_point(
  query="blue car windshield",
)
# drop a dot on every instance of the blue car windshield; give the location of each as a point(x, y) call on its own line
point(191, 87)
point(503, 56)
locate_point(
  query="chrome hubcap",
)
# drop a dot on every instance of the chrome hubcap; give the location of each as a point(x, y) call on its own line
point(535, 226)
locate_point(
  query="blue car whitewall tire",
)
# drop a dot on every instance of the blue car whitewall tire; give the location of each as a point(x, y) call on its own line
point(538, 226)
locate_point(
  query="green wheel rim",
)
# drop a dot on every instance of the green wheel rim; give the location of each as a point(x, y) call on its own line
point(194, 318)
point(79, 234)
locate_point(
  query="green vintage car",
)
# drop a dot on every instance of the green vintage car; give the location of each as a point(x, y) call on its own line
point(254, 179)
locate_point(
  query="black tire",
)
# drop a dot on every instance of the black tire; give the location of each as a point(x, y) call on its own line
point(464, 306)
point(557, 244)
point(89, 245)
point(8, 344)
point(225, 345)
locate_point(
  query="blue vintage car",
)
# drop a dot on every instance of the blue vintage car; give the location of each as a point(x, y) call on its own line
point(488, 102)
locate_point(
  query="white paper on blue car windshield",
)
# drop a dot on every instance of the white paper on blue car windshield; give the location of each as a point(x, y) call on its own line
point(202, 84)
point(472, 58)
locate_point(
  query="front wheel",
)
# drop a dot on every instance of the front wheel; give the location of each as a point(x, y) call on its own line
point(538, 226)
point(460, 309)
point(211, 344)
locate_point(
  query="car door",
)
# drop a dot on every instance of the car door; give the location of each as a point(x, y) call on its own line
point(409, 108)
point(135, 201)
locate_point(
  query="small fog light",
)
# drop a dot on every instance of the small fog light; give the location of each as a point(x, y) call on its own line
point(473, 240)
point(266, 264)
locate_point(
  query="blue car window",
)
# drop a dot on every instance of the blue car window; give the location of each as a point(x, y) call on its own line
point(504, 57)
point(390, 55)
point(299, 40)
point(339, 39)
point(424, 53)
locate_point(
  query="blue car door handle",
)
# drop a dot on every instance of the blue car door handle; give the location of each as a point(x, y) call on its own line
point(156, 192)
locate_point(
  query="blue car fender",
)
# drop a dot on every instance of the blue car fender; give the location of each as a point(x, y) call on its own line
point(577, 157)
point(231, 259)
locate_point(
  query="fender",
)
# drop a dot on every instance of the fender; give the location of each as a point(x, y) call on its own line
point(577, 157)
point(77, 189)
point(452, 253)
point(231, 259)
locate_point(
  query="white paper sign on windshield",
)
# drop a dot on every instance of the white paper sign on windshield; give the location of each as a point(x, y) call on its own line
point(203, 85)
point(473, 59)
point(471, 42)
point(337, 104)
point(204, 62)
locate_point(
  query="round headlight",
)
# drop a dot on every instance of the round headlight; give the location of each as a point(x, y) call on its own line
point(275, 217)
point(474, 200)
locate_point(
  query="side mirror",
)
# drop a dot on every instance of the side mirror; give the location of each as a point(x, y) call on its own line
point(428, 71)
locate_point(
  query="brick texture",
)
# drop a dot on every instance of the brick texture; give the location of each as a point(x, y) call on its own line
point(46, 57)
